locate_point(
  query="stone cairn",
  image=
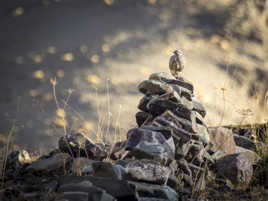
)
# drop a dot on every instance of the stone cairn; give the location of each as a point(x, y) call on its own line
point(170, 155)
point(171, 127)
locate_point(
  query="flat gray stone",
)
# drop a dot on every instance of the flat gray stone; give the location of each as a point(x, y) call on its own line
point(169, 79)
point(148, 144)
point(119, 189)
point(57, 162)
point(108, 170)
point(78, 145)
point(77, 196)
point(154, 87)
point(148, 171)
point(146, 190)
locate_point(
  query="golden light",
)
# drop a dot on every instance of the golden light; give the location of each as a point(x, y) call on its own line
point(224, 44)
point(88, 126)
point(109, 2)
point(152, 1)
point(60, 122)
point(39, 74)
point(47, 97)
point(68, 57)
point(168, 50)
point(215, 39)
point(93, 79)
point(51, 50)
point(37, 59)
point(60, 113)
point(95, 59)
point(105, 48)
point(33, 93)
point(18, 11)
point(60, 73)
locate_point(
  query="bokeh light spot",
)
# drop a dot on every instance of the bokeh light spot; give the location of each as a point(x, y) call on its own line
point(47, 97)
point(33, 93)
point(95, 59)
point(105, 48)
point(37, 59)
point(88, 126)
point(51, 50)
point(68, 57)
point(39, 74)
point(224, 44)
point(152, 1)
point(60, 122)
point(93, 79)
point(60, 73)
point(18, 11)
point(60, 113)
point(215, 39)
point(109, 2)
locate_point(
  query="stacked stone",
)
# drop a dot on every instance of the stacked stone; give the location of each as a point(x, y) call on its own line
point(171, 128)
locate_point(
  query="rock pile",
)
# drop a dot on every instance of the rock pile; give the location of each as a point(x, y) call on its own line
point(171, 128)
point(170, 155)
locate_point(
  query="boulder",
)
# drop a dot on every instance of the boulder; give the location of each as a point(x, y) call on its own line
point(85, 188)
point(171, 120)
point(15, 161)
point(119, 189)
point(165, 131)
point(78, 196)
point(183, 92)
point(149, 144)
point(82, 186)
point(235, 167)
point(60, 163)
point(148, 171)
point(222, 139)
point(108, 170)
point(146, 190)
point(78, 145)
point(245, 142)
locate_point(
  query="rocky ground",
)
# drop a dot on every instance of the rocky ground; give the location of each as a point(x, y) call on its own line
point(170, 155)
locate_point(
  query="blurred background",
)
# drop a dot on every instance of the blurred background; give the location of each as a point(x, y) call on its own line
point(74, 65)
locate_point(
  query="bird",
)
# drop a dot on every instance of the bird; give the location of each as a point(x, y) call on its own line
point(176, 63)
